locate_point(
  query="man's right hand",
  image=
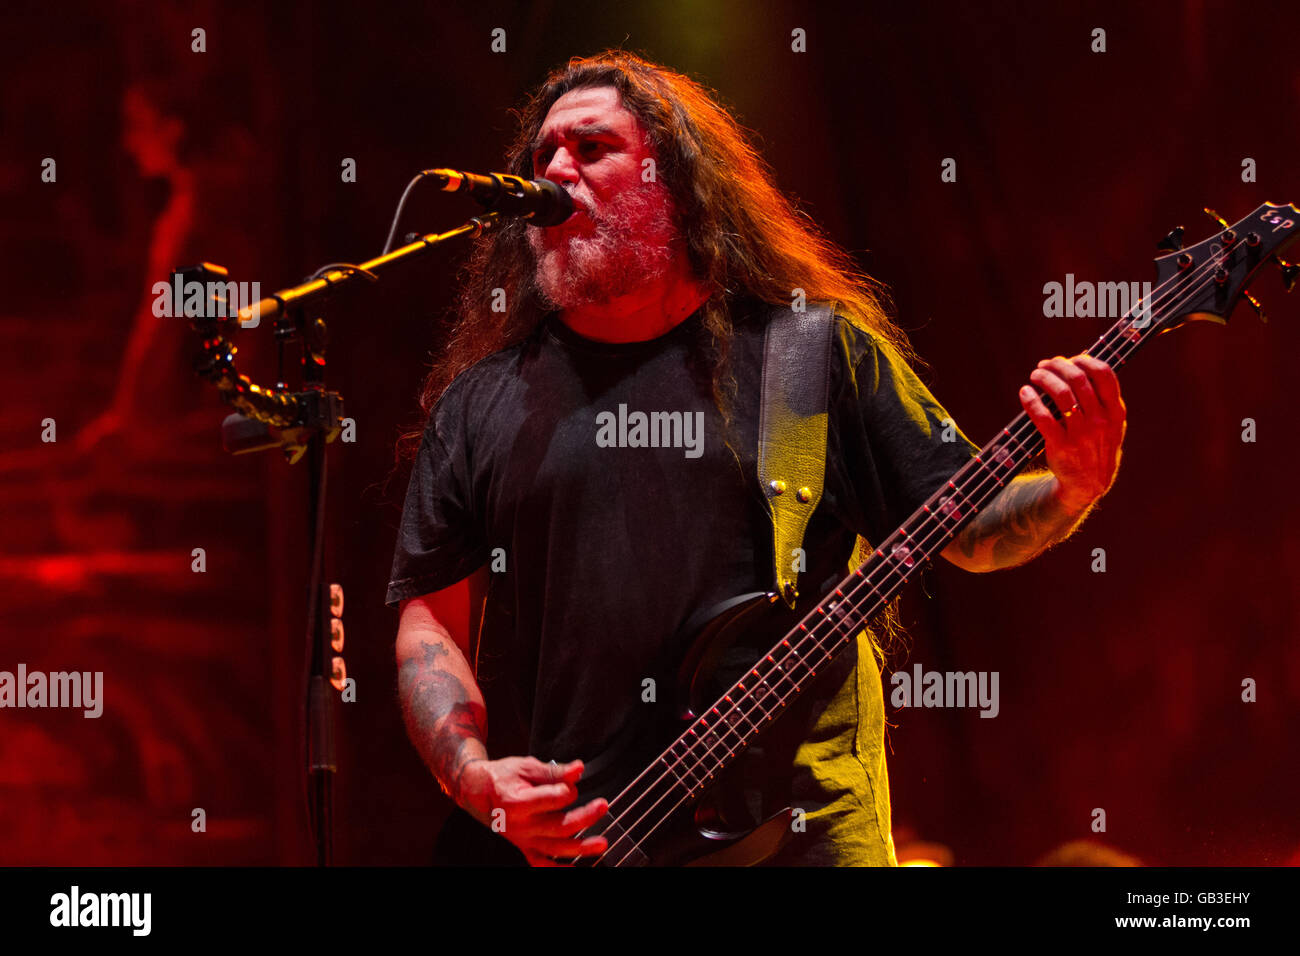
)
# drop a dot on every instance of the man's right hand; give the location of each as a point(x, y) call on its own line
point(524, 800)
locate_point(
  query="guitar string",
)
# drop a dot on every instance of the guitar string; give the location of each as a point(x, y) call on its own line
point(1114, 337)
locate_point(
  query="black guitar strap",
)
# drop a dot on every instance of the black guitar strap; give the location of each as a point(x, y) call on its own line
point(792, 426)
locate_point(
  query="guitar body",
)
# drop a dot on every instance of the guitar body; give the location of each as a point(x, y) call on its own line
point(727, 825)
point(739, 818)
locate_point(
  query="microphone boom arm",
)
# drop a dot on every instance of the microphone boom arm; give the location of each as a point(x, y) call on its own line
point(273, 305)
point(295, 414)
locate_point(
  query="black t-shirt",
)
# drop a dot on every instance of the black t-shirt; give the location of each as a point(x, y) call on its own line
point(609, 546)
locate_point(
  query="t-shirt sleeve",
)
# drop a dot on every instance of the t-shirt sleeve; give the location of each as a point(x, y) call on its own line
point(898, 443)
point(440, 539)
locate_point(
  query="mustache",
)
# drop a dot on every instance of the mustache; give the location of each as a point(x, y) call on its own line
point(550, 236)
point(583, 205)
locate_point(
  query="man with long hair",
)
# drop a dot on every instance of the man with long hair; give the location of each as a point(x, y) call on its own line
point(580, 558)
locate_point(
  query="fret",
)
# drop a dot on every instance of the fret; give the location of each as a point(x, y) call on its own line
point(998, 463)
point(901, 554)
point(706, 739)
point(761, 681)
point(1013, 443)
point(840, 614)
point(782, 666)
point(1125, 336)
point(1106, 344)
point(951, 506)
point(671, 767)
point(680, 752)
point(736, 714)
point(792, 652)
point(864, 575)
point(719, 730)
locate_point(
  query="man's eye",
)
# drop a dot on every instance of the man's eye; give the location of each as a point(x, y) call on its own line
point(587, 148)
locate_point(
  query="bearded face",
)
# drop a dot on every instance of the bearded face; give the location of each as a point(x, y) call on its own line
point(605, 249)
point(621, 234)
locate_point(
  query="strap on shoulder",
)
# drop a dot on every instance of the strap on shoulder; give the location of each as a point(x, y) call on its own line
point(792, 428)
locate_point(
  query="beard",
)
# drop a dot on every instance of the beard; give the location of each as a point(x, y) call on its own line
point(626, 243)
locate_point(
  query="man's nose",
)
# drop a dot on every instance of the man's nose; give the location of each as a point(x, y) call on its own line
point(562, 168)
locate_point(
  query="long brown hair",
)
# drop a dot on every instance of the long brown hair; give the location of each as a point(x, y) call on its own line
point(742, 235)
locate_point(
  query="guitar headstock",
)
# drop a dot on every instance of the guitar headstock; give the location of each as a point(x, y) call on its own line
point(1209, 279)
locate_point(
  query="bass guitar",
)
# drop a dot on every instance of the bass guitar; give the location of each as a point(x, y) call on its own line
point(677, 810)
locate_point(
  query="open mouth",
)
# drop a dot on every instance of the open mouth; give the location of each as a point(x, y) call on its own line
point(580, 219)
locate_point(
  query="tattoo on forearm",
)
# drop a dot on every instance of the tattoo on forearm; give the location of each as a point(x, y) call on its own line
point(447, 727)
point(1021, 522)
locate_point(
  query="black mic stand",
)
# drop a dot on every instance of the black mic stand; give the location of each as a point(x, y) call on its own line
point(298, 422)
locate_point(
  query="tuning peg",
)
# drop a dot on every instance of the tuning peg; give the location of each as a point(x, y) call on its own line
point(1259, 309)
point(1174, 241)
point(1290, 272)
point(1216, 217)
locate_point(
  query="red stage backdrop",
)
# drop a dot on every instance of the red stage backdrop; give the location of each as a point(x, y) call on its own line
point(134, 547)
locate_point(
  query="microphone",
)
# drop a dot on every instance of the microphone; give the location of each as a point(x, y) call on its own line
point(540, 200)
